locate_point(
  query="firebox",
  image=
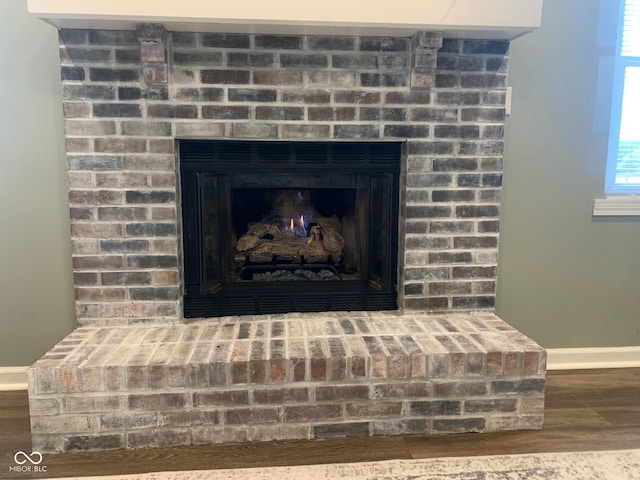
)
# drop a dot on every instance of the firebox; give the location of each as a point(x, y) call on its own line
point(281, 226)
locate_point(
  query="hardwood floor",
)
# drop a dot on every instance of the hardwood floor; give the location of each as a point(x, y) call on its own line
point(585, 410)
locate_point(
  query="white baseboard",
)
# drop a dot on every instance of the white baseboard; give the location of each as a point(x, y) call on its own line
point(13, 378)
point(590, 358)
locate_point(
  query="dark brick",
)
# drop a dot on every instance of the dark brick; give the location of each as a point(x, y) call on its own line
point(406, 131)
point(453, 131)
point(450, 257)
point(122, 213)
point(343, 392)
point(306, 96)
point(485, 46)
point(426, 273)
point(94, 197)
point(393, 62)
point(280, 78)
point(157, 401)
point(451, 227)
point(279, 113)
point(459, 63)
point(303, 61)
point(160, 110)
point(128, 56)
point(125, 278)
point(72, 73)
point(150, 229)
point(90, 92)
point(113, 75)
point(453, 196)
point(85, 278)
point(251, 416)
point(457, 98)
point(475, 242)
point(401, 390)
point(200, 94)
point(339, 114)
point(225, 40)
point(444, 80)
point(124, 246)
point(384, 44)
point(197, 58)
point(435, 408)
point(412, 97)
point(477, 211)
point(356, 96)
point(369, 62)
point(483, 114)
point(100, 262)
point(252, 95)
point(462, 425)
point(428, 212)
point(331, 43)
point(428, 180)
point(225, 77)
point(237, 59)
point(95, 162)
point(423, 114)
point(474, 302)
point(81, 213)
point(487, 80)
point(113, 37)
point(534, 385)
point(146, 128)
point(73, 37)
point(229, 112)
point(341, 430)
point(491, 406)
point(460, 389)
point(154, 293)
point(117, 110)
point(281, 395)
point(426, 242)
point(279, 42)
point(383, 80)
point(474, 272)
point(85, 55)
point(450, 45)
point(413, 289)
point(387, 114)
point(226, 398)
point(356, 131)
point(454, 164)
point(183, 39)
point(469, 180)
point(120, 145)
point(155, 196)
point(93, 442)
point(305, 413)
point(490, 226)
point(491, 180)
point(449, 288)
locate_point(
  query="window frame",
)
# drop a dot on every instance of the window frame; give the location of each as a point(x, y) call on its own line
point(620, 64)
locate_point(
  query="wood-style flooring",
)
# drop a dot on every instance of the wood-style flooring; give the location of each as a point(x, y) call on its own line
point(585, 410)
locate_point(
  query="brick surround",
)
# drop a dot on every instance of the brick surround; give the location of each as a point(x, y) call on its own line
point(127, 95)
point(284, 377)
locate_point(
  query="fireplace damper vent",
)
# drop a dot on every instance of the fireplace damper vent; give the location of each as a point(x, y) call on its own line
point(276, 226)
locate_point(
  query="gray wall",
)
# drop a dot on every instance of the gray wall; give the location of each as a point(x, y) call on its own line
point(36, 293)
point(565, 279)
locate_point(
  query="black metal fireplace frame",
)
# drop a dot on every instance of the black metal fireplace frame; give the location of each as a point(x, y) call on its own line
point(379, 160)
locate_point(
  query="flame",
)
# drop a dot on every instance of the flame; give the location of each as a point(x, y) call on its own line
point(291, 225)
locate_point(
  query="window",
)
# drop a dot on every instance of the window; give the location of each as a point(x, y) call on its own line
point(623, 167)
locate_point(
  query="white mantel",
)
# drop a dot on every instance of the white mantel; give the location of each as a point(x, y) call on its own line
point(499, 19)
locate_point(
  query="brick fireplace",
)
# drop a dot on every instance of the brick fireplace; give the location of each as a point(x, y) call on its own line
point(435, 359)
point(129, 95)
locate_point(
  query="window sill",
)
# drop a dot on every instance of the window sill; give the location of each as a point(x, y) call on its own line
point(617, 206)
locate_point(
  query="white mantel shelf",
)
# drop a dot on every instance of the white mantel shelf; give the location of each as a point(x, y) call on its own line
point(489, 19)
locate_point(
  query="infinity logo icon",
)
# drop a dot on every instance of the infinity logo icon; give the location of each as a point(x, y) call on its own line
point(35, 458)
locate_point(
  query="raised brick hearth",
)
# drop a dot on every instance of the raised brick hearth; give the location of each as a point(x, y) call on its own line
point(295, 376)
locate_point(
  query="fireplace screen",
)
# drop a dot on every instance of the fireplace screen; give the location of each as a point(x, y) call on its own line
point(272, 227)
